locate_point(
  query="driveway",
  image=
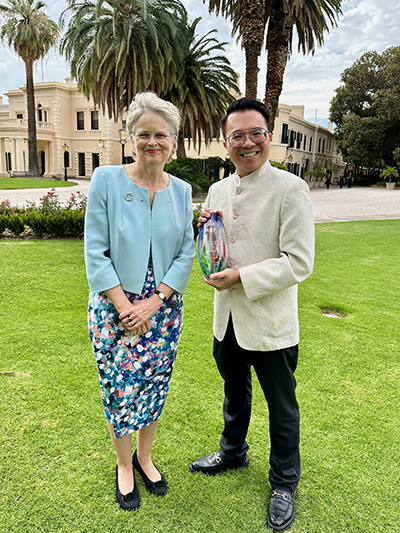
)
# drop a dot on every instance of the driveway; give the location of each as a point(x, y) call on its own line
point(333, 205)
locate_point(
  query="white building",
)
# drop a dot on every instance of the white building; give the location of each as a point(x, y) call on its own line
point(74, 137)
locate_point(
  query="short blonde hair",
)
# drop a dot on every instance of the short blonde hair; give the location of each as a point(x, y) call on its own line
point(149, 101)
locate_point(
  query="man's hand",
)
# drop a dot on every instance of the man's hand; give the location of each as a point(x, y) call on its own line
point(205, 214)
point(224, 280)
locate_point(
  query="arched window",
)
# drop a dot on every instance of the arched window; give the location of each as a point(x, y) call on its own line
point(66, 159)
point(40, 113)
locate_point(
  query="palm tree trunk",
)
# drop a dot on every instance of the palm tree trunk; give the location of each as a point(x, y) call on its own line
point(33, 169)
point(279, 36)
point(252, 29)
point(180, 150)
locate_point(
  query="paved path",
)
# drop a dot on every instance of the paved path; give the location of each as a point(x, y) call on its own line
point(333, 205)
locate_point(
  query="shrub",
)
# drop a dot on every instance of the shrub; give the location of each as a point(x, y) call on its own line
point(76, 222)
point(5, 206)
point(364, 181)
point(381, 184)
point(15, 223)
point(196, 214)
point(3, 222)
point(57, 224)
point(37, 222)
point(277, 164)
point(397, 184)
point(50, 203)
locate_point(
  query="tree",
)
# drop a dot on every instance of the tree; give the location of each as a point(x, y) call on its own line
point(117, 49)
point(32, 34)
point(250, 19)
point(389, 172)
point(310, 19)
point(203, 88)
point(366, 109)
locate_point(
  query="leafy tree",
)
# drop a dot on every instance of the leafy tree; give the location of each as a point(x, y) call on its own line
point(32, 34)
point(366, 109)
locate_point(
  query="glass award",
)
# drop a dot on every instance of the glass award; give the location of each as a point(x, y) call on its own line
point(212, 246)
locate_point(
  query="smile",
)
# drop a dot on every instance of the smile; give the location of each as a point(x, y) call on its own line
point(249, 154)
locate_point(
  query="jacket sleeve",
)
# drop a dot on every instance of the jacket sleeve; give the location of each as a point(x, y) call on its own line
point(296, 244)
point(177, 276)
point(100, 271)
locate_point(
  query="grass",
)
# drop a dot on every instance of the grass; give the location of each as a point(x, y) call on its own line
point(33, 183)
point(57, 464)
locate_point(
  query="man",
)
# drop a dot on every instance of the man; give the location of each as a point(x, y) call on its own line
point(269, 222)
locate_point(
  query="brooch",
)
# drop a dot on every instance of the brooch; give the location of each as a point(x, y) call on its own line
point(128, 197)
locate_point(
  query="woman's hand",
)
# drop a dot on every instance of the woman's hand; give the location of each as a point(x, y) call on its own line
point(136, 317)
point(205, 214)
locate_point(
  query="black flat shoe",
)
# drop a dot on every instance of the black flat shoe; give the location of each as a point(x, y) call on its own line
point(281, 513)
point(159, 488)
point(130, 501)
point(216, 463)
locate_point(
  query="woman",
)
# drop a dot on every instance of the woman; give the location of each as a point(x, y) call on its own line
point(139, 250)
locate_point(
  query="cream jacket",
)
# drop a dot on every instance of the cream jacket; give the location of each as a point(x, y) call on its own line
point(270, 226)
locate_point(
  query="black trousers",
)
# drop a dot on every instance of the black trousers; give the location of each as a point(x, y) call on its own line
point(275, 372)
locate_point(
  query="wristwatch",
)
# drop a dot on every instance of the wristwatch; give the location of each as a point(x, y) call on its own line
point(161, 295)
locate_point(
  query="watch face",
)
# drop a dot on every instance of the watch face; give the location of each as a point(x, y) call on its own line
point(161, 295)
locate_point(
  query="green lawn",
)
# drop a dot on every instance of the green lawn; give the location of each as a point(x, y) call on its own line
point(57, 465)
point(33, 183)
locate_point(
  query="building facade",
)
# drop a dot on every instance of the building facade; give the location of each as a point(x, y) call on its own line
point(74, 137)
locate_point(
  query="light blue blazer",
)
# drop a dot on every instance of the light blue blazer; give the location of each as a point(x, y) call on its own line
point(121, 230)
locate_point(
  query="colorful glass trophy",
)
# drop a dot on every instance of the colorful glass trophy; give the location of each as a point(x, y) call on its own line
point(212, 246)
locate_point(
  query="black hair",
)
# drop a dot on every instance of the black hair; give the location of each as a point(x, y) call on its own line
point(244, 104)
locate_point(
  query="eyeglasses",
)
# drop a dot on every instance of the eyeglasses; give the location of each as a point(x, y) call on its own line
point(238, 138)
point(159, 137)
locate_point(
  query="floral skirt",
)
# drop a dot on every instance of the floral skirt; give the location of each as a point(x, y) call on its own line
point(134, 370)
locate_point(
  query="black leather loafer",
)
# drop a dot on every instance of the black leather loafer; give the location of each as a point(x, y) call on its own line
point(159, 488)
point(130, 501)
point(216, 463)
point(281, 511)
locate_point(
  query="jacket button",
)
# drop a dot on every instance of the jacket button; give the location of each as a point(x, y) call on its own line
point(232, 239)
point(235, 215)
point(230, 264)
point(238, 190)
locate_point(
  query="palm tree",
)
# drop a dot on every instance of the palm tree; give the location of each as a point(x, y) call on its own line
point(32, 34)
point(204, 88)
point(309, 17)
point(249, 18)
point(117, 48)
point(389, 173)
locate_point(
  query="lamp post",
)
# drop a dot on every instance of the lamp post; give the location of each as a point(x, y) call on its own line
point(122, 139)
point(65, 148)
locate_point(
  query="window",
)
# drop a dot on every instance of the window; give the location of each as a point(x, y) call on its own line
point(44, 116)
point(95, 161)
point(323, 146)
point(8, 162)
point(80, 120)
point(81, 164)
point(296, 169)
point(285, 137)
point(319, 145)
point(20, 115)
point(305, 143)
point(310, 148)
point(299, 139)
point(40, 113)
point(66, 159)
point(292, 138)
point(94, 118)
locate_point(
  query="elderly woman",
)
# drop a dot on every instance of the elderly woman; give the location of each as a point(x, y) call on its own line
point(139, 251)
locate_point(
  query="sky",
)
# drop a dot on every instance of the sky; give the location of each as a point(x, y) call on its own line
point(309, 80)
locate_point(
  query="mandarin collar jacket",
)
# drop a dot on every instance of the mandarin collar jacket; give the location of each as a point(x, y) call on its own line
point(270, 227)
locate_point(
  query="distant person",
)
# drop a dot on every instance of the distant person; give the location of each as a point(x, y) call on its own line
point(269, 220)
point(328, 181)
point(341, 181)
point(139, 250)
point(349, 180)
